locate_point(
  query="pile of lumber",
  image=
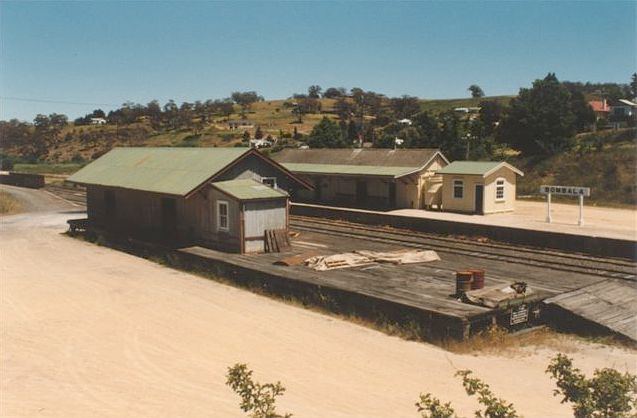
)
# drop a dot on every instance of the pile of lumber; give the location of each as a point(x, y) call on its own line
point(276, 240)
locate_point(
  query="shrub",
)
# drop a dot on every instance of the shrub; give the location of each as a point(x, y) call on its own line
point(257, 399)
point(430, 407)
point(607, 394)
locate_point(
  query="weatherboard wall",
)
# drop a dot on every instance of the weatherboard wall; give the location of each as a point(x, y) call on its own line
point(490, 203)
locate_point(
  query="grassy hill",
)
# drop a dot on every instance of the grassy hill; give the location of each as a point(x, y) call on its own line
point(603, 161)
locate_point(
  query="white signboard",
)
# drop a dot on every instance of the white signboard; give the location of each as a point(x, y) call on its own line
point(566, 190)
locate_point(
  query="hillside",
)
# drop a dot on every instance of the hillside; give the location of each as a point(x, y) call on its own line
point(77, 144)
point(604, 161)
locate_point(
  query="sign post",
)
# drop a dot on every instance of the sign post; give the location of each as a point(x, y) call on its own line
point(580, 192)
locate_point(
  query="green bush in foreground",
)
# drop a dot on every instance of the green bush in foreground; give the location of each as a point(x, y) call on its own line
point(256, 399)
point(607, 394)
point(430, 407)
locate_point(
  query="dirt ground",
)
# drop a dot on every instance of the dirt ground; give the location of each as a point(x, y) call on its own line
point(86, 331)
point(598, 221)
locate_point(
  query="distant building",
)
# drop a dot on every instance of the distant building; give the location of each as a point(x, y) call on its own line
point(467, 109)
point(601, 108)
point(405, 122)
point(98, 121)
point(478, 187)
point(260, 143)
point(223, 198)
point(623, 113)
point(370, 178)
point(240, 124)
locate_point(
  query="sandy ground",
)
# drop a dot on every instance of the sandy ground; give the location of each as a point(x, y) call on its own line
point(598, 221)
point(86, 331)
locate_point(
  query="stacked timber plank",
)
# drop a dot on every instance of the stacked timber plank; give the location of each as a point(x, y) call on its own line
point(276, 240)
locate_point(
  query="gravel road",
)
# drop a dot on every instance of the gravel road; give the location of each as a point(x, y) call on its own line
point(86, 331)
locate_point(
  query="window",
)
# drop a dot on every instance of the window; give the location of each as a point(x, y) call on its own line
point(458, 189)
point(223, 223)
point(499, 189)
point(269, 181)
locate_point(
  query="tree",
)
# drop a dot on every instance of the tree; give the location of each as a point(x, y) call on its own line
point(326, 134)
point(540, 121)
point(343, 108)
point(314, 92)
point(405, 106)
point(258, 134)
point(334, 93)
point(246, 136)
point(633, 86)
point(245, 100)
point(476, 91)
point(259, 400)
point(583, 112)
point(431, 407)
point(607, 394)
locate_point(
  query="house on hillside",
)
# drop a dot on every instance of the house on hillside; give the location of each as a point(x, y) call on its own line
point(623, 113)
point(601, 108)
point(98, 121)
point(370, 178)
point(479, 187)
point(222, 198)
point(240, 124)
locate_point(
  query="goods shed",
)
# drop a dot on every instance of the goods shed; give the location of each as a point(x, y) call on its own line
point(479, 187)
point(367, 178)
point(222, 198)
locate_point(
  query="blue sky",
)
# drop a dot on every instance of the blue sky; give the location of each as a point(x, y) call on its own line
point(110, 52)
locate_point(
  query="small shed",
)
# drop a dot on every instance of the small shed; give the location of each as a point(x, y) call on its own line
point(222, 198)
point(479, 187)
point(245, 209)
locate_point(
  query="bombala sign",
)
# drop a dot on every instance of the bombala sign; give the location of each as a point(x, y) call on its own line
point(566, 190)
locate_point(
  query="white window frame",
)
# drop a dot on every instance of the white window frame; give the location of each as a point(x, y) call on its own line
point(221, 203)
point(497, 187)
point(453, 190)
point(273, 179)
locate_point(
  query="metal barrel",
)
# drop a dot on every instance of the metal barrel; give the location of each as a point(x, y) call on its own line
point(463, 281)
point(478, 279)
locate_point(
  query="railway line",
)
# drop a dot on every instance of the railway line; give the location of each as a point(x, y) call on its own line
point(518, 255)
point(568, 262)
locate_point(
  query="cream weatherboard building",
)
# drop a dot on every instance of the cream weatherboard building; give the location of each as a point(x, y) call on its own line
point(480, 187)
point(367, 178)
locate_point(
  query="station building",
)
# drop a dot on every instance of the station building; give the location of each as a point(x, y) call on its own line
point(367, 178)
point(222, 198)
point(479, 187)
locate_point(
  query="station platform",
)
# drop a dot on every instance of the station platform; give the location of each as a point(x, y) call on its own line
point(598, 221)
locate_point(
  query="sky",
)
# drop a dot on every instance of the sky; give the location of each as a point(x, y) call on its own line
point(73, 57)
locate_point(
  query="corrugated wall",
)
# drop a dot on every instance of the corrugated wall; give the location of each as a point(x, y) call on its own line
point(259, 216)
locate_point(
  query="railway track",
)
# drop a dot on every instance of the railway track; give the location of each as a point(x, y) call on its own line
point(568, 262)
point(74, 195)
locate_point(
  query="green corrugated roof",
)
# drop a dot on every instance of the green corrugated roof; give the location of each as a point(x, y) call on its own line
point(175, 171)
point(366, 170)
point(248, 189)
point(478, 168)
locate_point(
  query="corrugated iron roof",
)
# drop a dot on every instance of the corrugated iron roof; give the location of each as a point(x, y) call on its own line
point(477, 168)
point(248, 189)
point(376, 157)
point(342, 169)
point(175, 171)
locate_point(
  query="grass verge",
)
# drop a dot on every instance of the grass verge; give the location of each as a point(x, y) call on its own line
point(8, 204)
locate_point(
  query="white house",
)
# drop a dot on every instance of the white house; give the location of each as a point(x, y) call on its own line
point(98, 121)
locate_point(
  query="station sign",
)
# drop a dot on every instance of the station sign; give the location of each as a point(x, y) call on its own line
point(519, 314)
point(566, 190)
